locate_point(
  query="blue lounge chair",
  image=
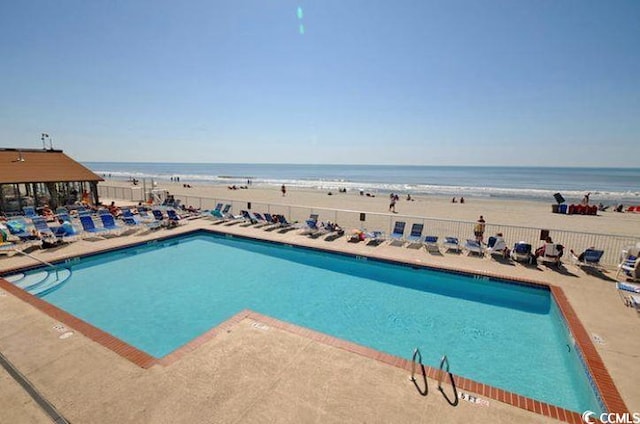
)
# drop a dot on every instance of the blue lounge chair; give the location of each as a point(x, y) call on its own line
point(220, 215)
point(66, 229)
point(397, 235)
point(311, 226)
point(134, 221)
point(258, 218)
point(262, 220)
point(158, 215)
point(89, 227)
point(323, 229)
point(109, 223)
point(29, 211)
point(415, 235)
point(173, 215)
point(210, 213)
point(522, 252)
point(589, 258)
point(497, 247)
point(249, 218)
point(43, 228)
point(451, 243)
point(81, 210)
point(284, 225)
point(431, 243)
point(270, 221)
point(474, 246)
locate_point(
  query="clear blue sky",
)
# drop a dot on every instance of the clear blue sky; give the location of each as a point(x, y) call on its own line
point(473, 82)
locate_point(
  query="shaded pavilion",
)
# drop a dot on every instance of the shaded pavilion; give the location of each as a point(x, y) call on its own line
point(35, 177)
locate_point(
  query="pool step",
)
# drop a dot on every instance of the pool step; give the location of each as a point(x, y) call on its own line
point(30, 280)
point(13, 278)
point(51, 283)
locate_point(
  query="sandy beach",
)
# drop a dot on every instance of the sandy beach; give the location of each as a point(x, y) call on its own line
point(495, 211)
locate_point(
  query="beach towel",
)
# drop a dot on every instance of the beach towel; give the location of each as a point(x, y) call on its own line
point(630, 287)
point(16, 226)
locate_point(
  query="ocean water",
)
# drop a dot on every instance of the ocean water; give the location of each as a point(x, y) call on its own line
point(606, 185)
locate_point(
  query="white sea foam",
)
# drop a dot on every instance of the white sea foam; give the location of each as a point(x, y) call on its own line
point(334, 184)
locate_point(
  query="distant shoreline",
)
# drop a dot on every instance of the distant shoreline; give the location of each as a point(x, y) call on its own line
point(607, 185)
point(526, 213)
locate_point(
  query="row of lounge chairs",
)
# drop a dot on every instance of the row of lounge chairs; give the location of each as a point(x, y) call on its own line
point(496, 247)
point(34, 231)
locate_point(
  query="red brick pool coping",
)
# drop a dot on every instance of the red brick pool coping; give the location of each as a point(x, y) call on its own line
point(601, 378)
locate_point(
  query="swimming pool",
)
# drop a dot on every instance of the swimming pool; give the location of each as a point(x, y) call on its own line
point(159, 296)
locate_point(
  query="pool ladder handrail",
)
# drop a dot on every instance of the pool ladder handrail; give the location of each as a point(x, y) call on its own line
point(48, 264)
point(445, 361)
point(417, 354)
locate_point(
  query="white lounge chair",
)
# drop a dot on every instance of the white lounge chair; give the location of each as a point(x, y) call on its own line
point(630, 294)
point(552, 253)
point(474, 246)
point(397, 235)
point(631, 268)
point(451, 243)
point(431, 243)
point(522, 252)
point(496, 246)
point(415, 235)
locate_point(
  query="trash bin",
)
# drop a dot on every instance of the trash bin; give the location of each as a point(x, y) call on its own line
point(554, 208)
point(562, 208)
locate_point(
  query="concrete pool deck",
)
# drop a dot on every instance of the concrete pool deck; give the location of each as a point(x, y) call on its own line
point(255, 371)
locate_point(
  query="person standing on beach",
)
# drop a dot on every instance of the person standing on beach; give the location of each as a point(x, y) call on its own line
point(283, 189)
point(392, 203)
point(478, 230)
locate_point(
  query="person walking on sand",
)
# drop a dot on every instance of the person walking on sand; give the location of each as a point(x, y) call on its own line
point(392, 203)
point(478, 229)
point(283, 189)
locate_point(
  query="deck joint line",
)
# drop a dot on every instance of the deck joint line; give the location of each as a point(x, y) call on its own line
point(42, 402)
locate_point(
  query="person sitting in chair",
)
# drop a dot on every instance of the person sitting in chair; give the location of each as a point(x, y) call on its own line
point(501, 246)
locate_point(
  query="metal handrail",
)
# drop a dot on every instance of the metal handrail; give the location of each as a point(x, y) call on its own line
point(443, 361)
point(49, 264)
point(417, 353)
point(454, 400)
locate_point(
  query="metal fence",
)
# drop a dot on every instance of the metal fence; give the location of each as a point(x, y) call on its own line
point(612, 245)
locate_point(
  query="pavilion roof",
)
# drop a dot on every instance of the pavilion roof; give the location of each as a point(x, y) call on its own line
point(41, 166)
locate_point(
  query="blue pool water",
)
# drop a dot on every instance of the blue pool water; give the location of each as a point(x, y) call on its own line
point(161, 296)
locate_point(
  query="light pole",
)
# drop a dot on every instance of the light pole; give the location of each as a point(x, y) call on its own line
point(44, 135)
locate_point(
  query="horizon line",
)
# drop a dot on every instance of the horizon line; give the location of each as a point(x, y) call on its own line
point(362, 164)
